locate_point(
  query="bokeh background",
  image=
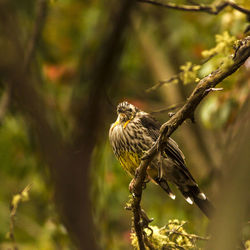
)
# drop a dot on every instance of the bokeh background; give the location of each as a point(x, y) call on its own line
point(156, 45)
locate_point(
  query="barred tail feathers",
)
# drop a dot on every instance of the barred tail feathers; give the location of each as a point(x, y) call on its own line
point(195, 195)
point(191, 192)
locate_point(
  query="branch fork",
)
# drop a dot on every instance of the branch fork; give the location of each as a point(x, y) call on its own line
point(206, 85)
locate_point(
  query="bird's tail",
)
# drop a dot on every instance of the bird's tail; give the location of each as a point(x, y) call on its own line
point(194, 194)
point(164, 185)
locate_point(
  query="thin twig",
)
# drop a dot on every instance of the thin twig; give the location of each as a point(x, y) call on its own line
point(242, 52)
point(177, 76)
point(168, 109)
point(160, 83)
point(176, 230)
point(210, 9)
point(189, 236)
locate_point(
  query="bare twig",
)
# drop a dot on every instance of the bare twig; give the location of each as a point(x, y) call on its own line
point(242, 52)
point(160, 83)
point(176, 229)
point(189, 236)
point(211, 9)
point(168, 109)
point(177, 77)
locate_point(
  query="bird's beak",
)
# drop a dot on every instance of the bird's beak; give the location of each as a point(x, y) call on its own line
point(120, 117)
point(118, 120)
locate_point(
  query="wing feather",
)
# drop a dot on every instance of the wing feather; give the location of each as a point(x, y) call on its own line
point(171, 148)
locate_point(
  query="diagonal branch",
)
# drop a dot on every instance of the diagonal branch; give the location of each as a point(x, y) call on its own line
point(161, 83)
point(169, 109)
point(242, 52)
point(210, 9)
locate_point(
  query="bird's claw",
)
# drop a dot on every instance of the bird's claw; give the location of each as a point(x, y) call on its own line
point(131, 186)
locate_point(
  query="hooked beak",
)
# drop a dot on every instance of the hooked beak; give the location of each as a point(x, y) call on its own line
point(118, 120)
point(121, 116)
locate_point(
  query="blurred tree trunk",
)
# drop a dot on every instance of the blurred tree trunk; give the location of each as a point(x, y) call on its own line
point(233, 200)
point(69, 163)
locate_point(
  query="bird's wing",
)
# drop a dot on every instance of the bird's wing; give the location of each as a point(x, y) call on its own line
point(151, 124)
point(172, 151)
point(171, 148)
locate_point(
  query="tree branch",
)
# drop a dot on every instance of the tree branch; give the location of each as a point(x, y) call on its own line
point(171, 108)
point(161, 83)
point(242, 52)
point(210, 9)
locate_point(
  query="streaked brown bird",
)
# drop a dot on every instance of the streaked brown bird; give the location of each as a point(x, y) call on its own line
point(132, 134)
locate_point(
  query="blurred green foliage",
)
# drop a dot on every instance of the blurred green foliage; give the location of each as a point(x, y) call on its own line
point(36, 223)
point(71, 34)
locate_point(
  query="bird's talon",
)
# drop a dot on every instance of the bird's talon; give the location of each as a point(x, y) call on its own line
point(128, 149)
point(131, 186)
point(136, 172)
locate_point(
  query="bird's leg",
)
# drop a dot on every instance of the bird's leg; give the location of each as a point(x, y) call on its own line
point(132, 183)
point(131, 186)
point(144, 185)
point(160, 170)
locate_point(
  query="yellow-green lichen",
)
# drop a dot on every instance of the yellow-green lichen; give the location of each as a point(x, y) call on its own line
point(189, 73)
point(224, 44)
point(172, 236)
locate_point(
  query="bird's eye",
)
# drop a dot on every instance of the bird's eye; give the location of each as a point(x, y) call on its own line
point(130, 110)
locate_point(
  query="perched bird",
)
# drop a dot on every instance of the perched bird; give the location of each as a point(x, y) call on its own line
point(132, 134)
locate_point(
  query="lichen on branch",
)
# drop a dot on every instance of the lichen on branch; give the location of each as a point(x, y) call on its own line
point(171, 236)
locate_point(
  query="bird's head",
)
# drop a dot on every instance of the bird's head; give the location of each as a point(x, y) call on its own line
point(126, 111)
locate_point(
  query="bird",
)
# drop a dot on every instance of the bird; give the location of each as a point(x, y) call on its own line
point(132, 134)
